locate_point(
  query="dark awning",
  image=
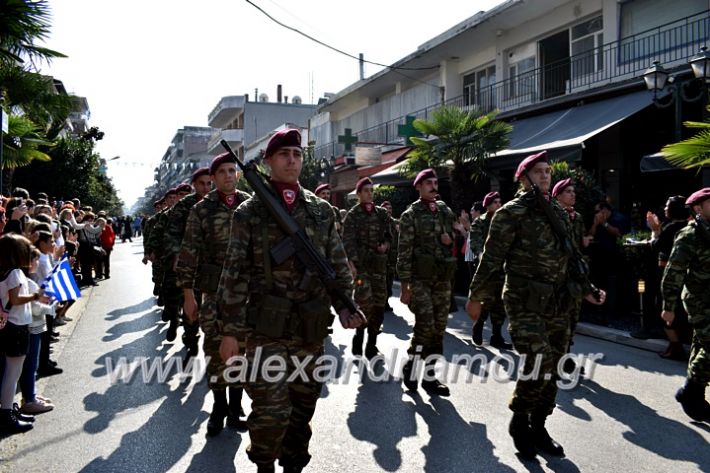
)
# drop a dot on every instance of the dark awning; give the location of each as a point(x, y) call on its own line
point(656, 162)
point(567, 130)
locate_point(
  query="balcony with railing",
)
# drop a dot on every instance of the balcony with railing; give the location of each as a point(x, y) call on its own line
point(225, 111)
point(234, 136)
point(672, 44)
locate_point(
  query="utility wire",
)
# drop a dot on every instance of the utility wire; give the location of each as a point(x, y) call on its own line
point(340, 51)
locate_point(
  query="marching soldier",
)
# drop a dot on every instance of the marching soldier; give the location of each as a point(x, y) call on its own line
point(324, 192)
point(172, 240)
point(366, 237)
point(170, 292)
point(524, 249)
point(688, 270)
point(155, 246)
point(279, 309)
point(198, 269)
point(477, 238)
point(565, 195)
point(426, 266)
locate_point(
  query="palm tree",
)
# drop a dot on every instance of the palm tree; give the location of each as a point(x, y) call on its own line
point(693, 152)
point(22, 23)
point(464, 139)
point(21, 146)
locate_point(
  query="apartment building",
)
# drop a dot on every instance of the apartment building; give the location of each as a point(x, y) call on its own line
point(568, 75)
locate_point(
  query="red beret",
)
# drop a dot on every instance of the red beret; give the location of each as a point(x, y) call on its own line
point(529, 162)
point(203, 171)
point(172, 191)
point(220, 159)
point(183, 188)
point(322, 187)
point(286, 137)
point(561, 186)
point(158, 202)
point(425, 174)
point(489, 198)
point(697, 198)
point(362, 183)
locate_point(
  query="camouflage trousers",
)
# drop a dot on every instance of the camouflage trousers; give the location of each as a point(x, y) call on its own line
point(699, 360)
point(157, 270)
point(173, 300)
point(430, 305)
point(496, 313)
point(279, 423)
point(210, 327)
point(371, 295)
point(536, 333)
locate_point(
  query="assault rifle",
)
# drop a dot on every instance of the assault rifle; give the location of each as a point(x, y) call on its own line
point(578, 267)
point(296, 242)
point(702, 229)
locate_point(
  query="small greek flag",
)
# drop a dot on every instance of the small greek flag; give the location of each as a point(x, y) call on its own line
point(60, 284)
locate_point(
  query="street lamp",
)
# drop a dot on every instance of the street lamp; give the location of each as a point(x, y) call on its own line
point(658, 79)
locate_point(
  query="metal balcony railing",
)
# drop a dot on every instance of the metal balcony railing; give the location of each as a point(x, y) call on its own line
point(672, 44)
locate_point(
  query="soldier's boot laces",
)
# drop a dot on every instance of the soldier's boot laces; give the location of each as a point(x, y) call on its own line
point(215, 424)
point(357, 341)
point(522, 434)
point(497, 339)
point(371, 350)
point(543, 441)
point(408, 377)
point(235, 409)
point(692, 398)
point(477, 335)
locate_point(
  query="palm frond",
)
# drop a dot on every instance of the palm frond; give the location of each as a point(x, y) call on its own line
point(690, 153)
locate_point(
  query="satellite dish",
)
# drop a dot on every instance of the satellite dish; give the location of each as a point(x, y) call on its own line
point(297, 100)
point(263, 98)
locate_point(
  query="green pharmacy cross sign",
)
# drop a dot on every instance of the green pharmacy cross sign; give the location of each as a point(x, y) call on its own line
point(407, 130)
point(348, 139)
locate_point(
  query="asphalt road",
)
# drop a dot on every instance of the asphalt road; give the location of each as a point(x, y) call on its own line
point(622, 417)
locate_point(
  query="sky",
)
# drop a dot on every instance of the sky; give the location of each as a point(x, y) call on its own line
point(150, 67)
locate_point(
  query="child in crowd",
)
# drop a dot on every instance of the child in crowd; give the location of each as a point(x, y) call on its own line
point(45, 244)
point(15, 296)
point(32, 403)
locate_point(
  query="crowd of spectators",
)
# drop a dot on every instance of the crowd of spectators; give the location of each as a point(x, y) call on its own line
point(35, 234)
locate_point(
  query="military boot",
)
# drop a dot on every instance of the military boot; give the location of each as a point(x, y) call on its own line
point(522, 434)
point(408, 377)
point(10, 424)
point(692, 398)
point(543, 441)
point(371, 350)
point(235, 408)
point(497, 339)
point(477, 335)
point(434, 386)
point(172, 330)
point(292, 469)
point(357, 341)
point(265, 468)
point(219, 411)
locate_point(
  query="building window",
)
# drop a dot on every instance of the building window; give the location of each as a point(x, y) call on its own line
point(586, 47)
point(479, 88)
point(521, 78)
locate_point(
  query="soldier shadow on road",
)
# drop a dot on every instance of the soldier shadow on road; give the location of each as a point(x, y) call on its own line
point(644, 361)
point(382, 418)
point(163, 439)
point(132, 309)
point(646, 428)
point(138, 324)
point(218, 453)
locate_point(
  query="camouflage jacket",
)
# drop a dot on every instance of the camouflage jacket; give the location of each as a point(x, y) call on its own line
point(479, 232)
point(362, 233)
point(420, 233)
point(175, 225)
point(155, 236)
point(688, 270)
point(394, 246)
point(522, 244)
point(206, 238)
point(147, 227)
point(250, 274)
